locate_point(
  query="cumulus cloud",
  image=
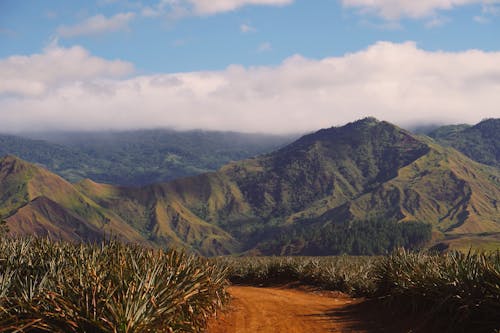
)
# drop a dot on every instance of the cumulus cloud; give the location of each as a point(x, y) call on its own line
point(396, 82)
point(33, 76)
point(396, 9)
point(205, 7)
point(247, 28)
point(489, 12)
point(96, 25)
point(265, 47)
point(182, 8)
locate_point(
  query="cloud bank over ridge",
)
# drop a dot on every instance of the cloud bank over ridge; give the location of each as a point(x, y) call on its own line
point(69, 89)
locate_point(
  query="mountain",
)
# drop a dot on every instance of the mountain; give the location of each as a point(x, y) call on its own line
point(36, 201)
point(363, 188)
point(136, 157)
point(480, 142)
point(364, 171)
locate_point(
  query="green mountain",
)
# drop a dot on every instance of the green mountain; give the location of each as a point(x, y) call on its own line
point(363, 188)
point(137, 157)
point(480, 142)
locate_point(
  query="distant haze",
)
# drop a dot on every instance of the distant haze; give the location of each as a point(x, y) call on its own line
point(70, 89)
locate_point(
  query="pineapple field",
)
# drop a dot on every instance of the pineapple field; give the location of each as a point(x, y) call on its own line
point(54, 286)
point(50, 286)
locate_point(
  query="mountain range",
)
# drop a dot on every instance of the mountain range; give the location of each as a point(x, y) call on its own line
point(363, 188)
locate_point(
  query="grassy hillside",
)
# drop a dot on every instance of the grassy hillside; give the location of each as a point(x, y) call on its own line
point(137, 157)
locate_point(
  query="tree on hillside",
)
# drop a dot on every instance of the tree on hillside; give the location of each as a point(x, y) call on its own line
point(4, 229)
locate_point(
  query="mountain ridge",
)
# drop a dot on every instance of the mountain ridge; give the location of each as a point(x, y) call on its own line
point(336, 178)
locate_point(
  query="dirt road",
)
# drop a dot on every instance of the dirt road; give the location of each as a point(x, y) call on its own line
point(288, 311)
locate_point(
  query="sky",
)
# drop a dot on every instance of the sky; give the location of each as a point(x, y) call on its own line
point(274, 66)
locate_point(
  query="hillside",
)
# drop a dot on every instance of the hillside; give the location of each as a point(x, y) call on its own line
point(363, 188)
point(136, 157)
point(480, 142)
point(35, 201)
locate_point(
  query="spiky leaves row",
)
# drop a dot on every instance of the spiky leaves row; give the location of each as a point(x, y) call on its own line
point(108, 287)
point(351, 275)
point(461, 288)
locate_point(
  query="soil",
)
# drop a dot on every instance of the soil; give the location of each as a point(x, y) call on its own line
point(293, 310)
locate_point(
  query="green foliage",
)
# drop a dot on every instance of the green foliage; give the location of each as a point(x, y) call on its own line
point(108, 287)
point(372, 237)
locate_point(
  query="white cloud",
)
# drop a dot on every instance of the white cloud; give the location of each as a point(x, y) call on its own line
point(396, 82)
point(97, 24)
point(246, 28)
point(264, 47)
point(436, 22)
point(35, 75)
point(490, 9)
point(205, 7)
point(396, 9)
point(50, 14)
point(181, 8)
point(489, 12)
point(481, 19)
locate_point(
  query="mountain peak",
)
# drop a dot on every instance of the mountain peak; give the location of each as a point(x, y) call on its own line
point(11, 164)
point(10, 159)
point(490, 124)
point(367, 121)
point(366, 130)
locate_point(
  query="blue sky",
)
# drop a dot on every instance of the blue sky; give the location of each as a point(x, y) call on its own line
point(225, 52)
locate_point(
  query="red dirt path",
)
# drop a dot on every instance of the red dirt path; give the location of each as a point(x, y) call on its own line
point(285, 310)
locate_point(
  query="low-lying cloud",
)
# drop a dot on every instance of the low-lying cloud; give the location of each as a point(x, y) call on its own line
point(69, 89)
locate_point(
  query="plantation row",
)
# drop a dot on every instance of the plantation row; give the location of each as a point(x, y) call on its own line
point(59, 287)
point(110, 287)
